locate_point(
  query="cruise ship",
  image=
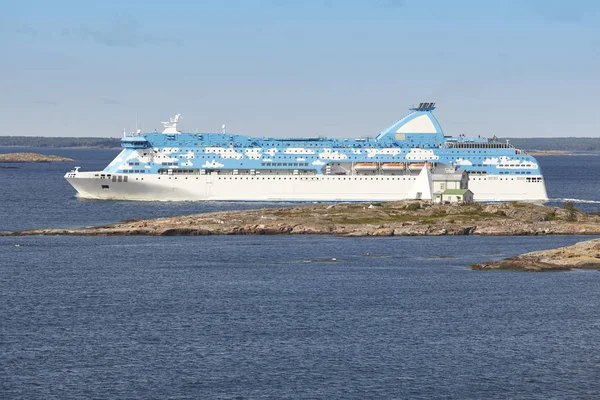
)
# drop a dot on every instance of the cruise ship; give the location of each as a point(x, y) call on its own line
point(396, 164)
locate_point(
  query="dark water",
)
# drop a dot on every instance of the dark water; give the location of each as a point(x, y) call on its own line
point(253, 317)
point(250, 317)
point(573, 178)
point(36, 195)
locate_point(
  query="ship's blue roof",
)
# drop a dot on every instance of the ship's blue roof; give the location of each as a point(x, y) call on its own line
point(417, 137)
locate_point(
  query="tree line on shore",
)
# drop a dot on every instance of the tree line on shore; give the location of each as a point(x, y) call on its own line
point(41, 141)
point(557, 143)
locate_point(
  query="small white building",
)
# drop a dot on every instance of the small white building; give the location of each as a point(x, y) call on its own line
point(456, 196)
point(445, 185)
point(451, 179)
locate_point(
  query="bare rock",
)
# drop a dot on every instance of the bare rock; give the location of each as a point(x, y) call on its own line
point(582, 255)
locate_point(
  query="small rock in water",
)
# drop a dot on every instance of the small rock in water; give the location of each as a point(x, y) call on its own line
point(376, 255)
point(322, 260)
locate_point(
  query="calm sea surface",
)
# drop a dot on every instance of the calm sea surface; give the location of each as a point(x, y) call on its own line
point(37, 195)
point(277, 317)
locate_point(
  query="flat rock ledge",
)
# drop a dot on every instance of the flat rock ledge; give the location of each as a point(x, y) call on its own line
point(582, 255)
point(31, 158)
point(402, 218)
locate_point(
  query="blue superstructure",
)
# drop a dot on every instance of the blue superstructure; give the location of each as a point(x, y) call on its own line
point(418, 137)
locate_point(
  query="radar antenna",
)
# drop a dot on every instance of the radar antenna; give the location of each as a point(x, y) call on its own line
point(424, 107)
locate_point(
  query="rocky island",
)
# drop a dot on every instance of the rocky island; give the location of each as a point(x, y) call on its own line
point(582, 255)
point(31, 158)
point(402, 218)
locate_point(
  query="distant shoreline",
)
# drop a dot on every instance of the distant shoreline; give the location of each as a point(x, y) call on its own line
point(60, 142)
point(560, 153)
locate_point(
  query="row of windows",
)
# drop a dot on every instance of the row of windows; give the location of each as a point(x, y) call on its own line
point(318, 179)
point(301, 178)
point(516, 165)
point(479, 145)
point(268, 164)
point(505, 179)
point(225, 145)
point(515, 172)
point(506, 165)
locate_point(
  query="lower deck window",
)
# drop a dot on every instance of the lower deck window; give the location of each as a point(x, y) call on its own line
point(105, 187)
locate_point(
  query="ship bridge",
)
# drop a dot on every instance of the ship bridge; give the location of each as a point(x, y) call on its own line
point(134, 142)
point(419, 127)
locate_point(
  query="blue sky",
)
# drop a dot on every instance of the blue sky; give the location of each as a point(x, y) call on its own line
point(299, 68)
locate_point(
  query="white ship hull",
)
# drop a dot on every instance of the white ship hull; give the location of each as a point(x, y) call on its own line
point(151, 187)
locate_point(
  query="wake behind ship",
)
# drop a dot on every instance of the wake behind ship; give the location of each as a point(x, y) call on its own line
point(411, 159)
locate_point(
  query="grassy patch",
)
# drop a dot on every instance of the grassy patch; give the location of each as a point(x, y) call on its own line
point(413, 206)
point(518, 205)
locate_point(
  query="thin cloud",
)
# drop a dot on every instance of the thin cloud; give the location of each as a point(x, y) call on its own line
point(110, 101)
point(27, 31)
point(52, 103)
point(391, 4)
point(563, 11)
point(123, 31)
point(386, 4)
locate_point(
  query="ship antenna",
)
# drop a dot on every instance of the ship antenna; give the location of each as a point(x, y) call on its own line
point(223, 128)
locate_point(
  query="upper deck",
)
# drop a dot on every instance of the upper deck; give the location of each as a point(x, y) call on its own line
point(413, 139)
point(418, 129)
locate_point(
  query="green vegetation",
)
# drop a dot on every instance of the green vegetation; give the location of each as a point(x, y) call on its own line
point(413, 206)
point(38, 141)
point(571, 211)
point(518, 205)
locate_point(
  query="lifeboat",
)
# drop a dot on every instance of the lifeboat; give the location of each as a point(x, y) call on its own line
point(418, 165)
point(393, 166)
point(365, 166)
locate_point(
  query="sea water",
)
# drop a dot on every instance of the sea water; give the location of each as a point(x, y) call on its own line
point(282, 316)
point(37, 196)
point(292, 317)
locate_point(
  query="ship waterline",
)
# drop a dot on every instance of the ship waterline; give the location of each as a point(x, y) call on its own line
point(397, 164)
